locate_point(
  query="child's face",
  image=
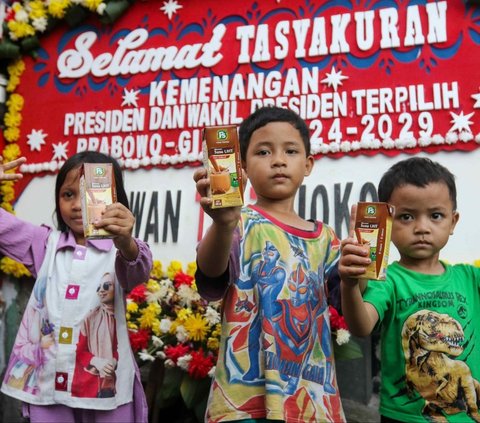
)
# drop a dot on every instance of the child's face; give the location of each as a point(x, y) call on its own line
point(424, 220)
point(69, 204)
point(276, 161)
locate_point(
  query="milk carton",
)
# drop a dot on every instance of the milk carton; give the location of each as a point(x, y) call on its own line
point(373, 227)
point(221, 157)
point(97, 190)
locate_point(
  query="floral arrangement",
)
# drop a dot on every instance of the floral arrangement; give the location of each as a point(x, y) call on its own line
point(167, 319)
point(26, 20)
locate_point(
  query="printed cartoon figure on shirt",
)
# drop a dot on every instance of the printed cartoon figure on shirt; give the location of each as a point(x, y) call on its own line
point(294, 322)
point(35, 340)
point(97, 354)
point(429, 339)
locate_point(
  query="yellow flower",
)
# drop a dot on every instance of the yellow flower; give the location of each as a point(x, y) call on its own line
point(37, 10)
point(13, 119)
point(183, 314)
point(476, 263)
point(213, 343)
point(152, 285)
point(57, 8)
point(157, 271)
point(191, 268)
point(15, 103)
point(11, 267)
point(131, 325)
point(11, 151)
point(6, 206)
point(132, 306)
point(20, 29)
point(11, 134)
point(92, 4)
point(196, 326)
point(173, 269)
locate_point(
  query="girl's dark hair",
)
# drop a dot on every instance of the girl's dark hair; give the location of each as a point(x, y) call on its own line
point(417, 171)
point(75, 162)
point(268, 114)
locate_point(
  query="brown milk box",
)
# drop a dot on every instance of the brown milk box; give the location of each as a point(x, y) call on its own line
point(221, 157)
point(97, 191)
point(373, 226)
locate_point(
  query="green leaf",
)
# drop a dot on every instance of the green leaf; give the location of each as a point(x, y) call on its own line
point(170, 389)
point(194, 391)
point(348, 351)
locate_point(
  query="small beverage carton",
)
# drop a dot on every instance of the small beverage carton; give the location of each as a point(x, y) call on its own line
point(97, 189)
point(221, 157)
point(373, 226)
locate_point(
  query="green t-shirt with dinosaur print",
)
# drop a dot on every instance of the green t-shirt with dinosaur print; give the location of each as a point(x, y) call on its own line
point(430, 343)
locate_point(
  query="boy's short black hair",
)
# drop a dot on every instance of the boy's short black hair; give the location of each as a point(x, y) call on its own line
point(268, 114)
point(417, 171)
point(75, 162)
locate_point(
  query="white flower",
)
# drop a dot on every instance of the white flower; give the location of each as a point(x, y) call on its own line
point(343, 336)
point(40, 24)
point(187, 295)
point(169, 363)
point(211, 372)
point(101, 8)
point(212, 316)
point(161, 355)
point(145, 356)
point(157, 342)
point(184, 361)
point(165, 325)
point(181, 333)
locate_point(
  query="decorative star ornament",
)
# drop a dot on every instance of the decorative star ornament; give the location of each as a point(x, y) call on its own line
point(334, 78)
point(461, 122)
point(476, 97)
point(130, 97)
point(36, 139)
point(170, 7)
point(60, 150)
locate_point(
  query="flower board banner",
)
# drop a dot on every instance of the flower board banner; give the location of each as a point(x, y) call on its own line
point(375, 81)
point(369, 78)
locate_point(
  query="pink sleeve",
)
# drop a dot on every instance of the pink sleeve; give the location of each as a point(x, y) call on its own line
point(132, 273)
point(23, 241)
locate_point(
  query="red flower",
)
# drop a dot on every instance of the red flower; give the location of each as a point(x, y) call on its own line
point(200, 364)
point(336, 321)
point(138, 294)
point(139, 339)
point(175, 352)
point(182, 279)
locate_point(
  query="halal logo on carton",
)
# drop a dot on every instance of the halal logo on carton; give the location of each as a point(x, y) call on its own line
point(371, 210)
point(222, 134)
point(99, 171)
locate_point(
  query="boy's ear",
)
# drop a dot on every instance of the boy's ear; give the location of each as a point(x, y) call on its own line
point(455, 217)
point(309, 165)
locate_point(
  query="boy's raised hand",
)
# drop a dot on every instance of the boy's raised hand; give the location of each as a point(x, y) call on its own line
point(227, 216)
point(354, 256)
point(5, 175)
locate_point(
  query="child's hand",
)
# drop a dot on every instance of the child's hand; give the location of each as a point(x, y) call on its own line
point(119, 221)
point(227, 216)
point(354, 256)
point(5, 167)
